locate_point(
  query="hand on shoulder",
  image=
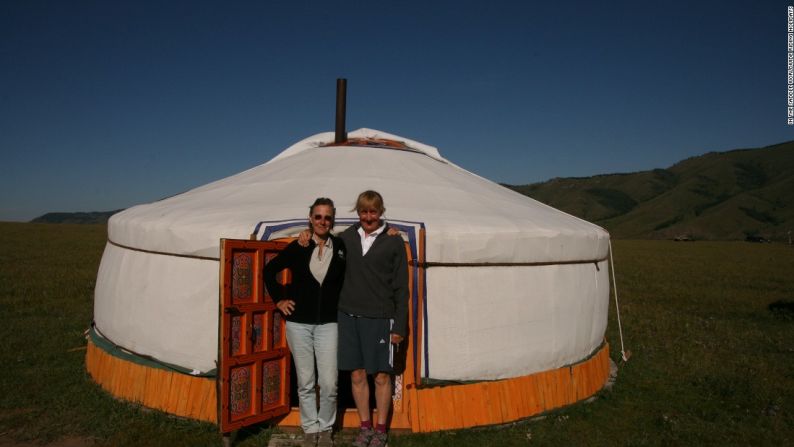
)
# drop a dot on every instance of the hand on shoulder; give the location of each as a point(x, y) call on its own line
point(304, 237)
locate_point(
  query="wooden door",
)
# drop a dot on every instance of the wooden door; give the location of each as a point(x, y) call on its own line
point(254, 358)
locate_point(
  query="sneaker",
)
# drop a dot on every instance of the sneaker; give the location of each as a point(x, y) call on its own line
point(379, 439)
point(364, 437)
point(325, 439)
point(309, 440)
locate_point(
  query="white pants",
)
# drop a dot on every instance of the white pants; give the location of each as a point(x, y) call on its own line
point(308, 342)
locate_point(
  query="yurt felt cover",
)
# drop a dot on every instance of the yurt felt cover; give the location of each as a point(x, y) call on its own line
point(514, 286)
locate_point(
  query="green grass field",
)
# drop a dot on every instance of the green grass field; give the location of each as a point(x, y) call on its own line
point(711, 363)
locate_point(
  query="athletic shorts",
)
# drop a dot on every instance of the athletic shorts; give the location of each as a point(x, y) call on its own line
point(365, 343)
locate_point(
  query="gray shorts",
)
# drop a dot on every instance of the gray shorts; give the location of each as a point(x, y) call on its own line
point(365, 343)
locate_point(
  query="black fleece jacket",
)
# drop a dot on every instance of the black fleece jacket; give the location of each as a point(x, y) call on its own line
point(315, 303)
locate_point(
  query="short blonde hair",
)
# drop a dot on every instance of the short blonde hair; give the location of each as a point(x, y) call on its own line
point(369, 199)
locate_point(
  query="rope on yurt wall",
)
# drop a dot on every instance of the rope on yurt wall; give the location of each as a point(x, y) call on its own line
point(127, 247)
point(624, 354)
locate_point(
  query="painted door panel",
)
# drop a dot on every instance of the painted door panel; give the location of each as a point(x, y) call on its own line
point(254, 358)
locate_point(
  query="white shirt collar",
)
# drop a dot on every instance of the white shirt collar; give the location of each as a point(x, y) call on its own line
point(327, 241)
point(367, 240)
point(374, 233)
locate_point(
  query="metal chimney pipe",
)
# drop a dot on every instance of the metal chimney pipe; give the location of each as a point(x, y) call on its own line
point(341, 110)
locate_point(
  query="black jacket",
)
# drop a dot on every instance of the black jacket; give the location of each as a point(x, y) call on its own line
point(314, 303)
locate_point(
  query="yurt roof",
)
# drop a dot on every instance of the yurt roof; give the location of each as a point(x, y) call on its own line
point(468, 219)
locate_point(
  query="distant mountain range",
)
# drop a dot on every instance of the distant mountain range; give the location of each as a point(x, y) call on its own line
point(716, 196)
point(92, 217)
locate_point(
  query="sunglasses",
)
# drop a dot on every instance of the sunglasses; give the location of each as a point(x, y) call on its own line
point(320, 217)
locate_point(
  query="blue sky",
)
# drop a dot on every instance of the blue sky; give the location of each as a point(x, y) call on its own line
point(107, 104)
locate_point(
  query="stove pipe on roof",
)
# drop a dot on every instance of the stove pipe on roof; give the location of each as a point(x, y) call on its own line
point(341, 94)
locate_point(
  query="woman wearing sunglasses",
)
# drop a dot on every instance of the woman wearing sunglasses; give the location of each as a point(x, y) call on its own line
point(309, 304)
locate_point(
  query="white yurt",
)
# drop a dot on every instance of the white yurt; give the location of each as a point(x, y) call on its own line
point(509, 296)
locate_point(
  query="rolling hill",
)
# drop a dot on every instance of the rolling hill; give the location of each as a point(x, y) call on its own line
point(92, 217)
point(716, 196)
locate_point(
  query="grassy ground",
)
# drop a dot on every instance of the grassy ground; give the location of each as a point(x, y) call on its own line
point(711, 363)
